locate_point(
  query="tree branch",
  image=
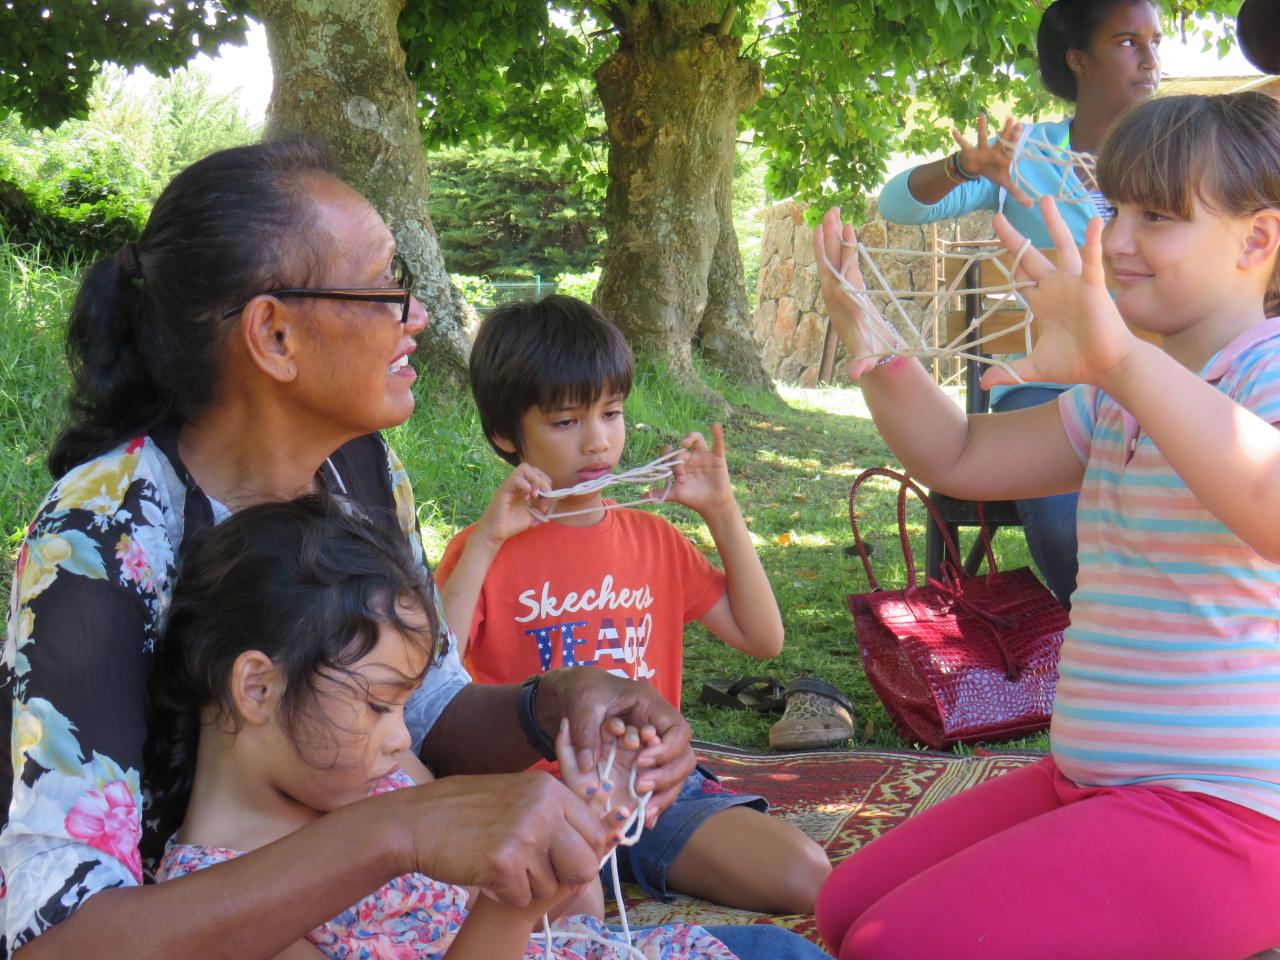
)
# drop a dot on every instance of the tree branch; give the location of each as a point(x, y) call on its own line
point(726, 20)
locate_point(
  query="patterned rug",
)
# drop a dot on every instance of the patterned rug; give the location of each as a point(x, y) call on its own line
point(842, 799)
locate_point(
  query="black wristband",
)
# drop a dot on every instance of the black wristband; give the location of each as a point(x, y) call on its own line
point(527, 712)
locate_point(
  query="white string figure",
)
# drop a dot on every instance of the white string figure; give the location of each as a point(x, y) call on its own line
point(652, 472)
point(632, 831)
point(897, 334)
point(1034, 145)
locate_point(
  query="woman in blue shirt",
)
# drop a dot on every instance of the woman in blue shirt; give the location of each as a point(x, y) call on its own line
point(1102, 56)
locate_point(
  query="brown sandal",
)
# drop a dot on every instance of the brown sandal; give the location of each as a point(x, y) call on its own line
point(817, 715)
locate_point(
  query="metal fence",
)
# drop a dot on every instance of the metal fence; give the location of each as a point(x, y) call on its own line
point(506, 291)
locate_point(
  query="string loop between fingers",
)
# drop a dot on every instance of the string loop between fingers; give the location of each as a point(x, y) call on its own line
point(1037, 147)
point(658, 469)
point(920, 339)
point(632, 830)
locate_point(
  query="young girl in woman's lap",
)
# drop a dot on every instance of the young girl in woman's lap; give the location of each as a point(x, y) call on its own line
point(296, 635)
point(1153, 828)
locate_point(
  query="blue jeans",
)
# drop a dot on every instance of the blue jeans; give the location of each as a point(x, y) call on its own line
point(649, 861)
point(759, 941)
point(1048, 522)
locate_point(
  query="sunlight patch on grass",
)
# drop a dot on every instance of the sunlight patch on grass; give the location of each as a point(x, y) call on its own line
point(834, 400)
point(808, 464)
point(841, 401)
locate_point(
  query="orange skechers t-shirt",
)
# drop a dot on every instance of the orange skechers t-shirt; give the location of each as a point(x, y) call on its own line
point(614, 595)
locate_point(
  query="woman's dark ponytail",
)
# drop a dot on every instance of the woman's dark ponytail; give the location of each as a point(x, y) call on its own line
point(112, 393)
point(146, 336)
point(1052, 44)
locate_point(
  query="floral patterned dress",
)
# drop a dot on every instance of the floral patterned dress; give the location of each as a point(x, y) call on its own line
point(90, 591)
point(415, 917)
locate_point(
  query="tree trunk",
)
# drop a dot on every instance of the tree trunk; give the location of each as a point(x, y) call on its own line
point(339, 74)
point(672, 95)
point(724, 337)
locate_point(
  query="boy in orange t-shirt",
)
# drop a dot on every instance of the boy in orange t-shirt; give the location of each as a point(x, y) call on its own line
point(613, 588)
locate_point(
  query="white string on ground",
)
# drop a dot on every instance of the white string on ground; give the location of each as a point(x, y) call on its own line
point(652, 472)
point(632, 831)
point(1035, 145)
point(908, 339)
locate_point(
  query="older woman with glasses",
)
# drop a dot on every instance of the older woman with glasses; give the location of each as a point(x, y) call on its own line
point(249, 348)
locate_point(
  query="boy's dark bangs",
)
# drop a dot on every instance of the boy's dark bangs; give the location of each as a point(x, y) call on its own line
point(1156, 158)
point(592, 366)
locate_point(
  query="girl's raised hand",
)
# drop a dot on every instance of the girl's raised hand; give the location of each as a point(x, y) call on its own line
point(1081, 337)
point(508, 510)
point(835, 249)
point(994, 159)
point(612, 792)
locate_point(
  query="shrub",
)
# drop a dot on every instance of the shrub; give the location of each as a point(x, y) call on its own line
point(477, 291)
point(580, 285)
point(82, 190)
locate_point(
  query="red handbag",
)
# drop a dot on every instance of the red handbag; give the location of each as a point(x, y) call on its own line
point(963, 660)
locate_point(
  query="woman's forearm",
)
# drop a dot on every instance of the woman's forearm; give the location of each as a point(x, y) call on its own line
point(252, 907)
point(479, 732)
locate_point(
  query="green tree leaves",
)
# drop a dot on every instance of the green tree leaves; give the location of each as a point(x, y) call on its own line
point(52, 48)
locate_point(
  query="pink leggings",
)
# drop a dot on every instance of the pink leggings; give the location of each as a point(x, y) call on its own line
point(1032, 866)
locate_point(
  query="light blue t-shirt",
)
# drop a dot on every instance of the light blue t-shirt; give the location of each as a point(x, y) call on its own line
point(897, 205)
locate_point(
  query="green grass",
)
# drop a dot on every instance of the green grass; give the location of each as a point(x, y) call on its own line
point(34, 300)
point(792, 457)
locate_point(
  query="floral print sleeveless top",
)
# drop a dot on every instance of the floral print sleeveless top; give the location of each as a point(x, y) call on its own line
point(415, 917)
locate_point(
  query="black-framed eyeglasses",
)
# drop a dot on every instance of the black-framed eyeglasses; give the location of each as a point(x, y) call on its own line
point(401, 293)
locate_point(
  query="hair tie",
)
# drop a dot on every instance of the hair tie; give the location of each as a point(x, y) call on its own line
point(127, 257)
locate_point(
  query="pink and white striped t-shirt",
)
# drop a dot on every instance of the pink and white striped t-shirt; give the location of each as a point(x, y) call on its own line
point(1170, 669)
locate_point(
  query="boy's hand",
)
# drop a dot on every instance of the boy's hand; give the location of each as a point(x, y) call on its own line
point(1081, 337)
point(508, 510)
point(701, 479)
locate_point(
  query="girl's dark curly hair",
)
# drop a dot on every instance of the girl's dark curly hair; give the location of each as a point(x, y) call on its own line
point(303, 582)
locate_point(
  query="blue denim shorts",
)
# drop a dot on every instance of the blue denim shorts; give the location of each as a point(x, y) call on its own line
point(649, 860)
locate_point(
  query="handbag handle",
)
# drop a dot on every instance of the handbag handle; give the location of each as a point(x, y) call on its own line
point(905, 483)
point(948, 544)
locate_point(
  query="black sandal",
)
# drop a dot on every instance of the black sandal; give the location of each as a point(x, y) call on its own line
point(763, 694)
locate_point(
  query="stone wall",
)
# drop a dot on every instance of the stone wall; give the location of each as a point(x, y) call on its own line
point(790, 321)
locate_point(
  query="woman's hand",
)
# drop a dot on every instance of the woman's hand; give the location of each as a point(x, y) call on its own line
point(1081, 337)
point(519, 837)
point(508, 510)
point(701, 478)
point(836, 252)
point(590, 698)
point(994, 159)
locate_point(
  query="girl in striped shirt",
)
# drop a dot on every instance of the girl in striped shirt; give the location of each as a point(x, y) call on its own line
point(1153, 828)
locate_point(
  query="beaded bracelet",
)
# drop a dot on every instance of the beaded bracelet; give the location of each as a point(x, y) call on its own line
point(955, 171)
